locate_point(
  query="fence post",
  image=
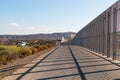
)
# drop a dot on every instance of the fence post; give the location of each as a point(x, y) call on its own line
point(108, 35)
point(103, 34)
point(98, 37)
point(114, 34)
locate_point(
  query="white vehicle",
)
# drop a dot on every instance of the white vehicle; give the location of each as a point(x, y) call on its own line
point(21, 44)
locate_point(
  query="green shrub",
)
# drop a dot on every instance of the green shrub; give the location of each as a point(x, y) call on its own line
point(10, 53)
point(25, 52)
point(37, 47)
point(12, 57)
point(3, 57)
point(34, 50)
point(43, 47)
point(3, 52)
point(1, 48)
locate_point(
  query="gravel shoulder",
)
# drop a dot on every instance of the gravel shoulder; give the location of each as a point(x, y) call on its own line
point(8, 69)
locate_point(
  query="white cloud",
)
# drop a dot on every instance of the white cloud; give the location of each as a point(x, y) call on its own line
point(13, 24)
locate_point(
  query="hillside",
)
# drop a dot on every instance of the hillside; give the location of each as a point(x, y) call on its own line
point(52, 36)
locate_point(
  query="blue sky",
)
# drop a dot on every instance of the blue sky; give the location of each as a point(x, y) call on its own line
point(48, 16)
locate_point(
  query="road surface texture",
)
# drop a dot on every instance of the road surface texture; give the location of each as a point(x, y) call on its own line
point(67, 63)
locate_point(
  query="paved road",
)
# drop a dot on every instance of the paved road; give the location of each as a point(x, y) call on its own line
point(67, 63)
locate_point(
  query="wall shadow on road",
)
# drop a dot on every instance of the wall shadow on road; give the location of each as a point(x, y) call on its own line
point(48, 61)
point(91, 61)
point(102, 71)
point(48, 70)
point(117, 79)
point(96, 65)
point(54, 77)
point(57, 60)
point(55, 67)
point(81, 74)
point(11, 68)
point(23, 74)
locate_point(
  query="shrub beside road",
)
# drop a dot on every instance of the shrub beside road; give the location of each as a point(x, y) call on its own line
point(9, 53)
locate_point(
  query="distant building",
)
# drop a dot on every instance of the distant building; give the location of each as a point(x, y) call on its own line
point(63, 39)
point(72, 36)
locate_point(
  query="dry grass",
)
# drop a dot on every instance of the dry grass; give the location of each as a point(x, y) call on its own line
point(9, 53)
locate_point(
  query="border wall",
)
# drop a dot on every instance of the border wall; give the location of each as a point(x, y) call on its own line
point(102, 35)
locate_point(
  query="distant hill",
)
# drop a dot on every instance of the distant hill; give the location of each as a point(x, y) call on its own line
point(52, 36)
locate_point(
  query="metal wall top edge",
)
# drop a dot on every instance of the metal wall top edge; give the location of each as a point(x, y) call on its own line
point(110, 9)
